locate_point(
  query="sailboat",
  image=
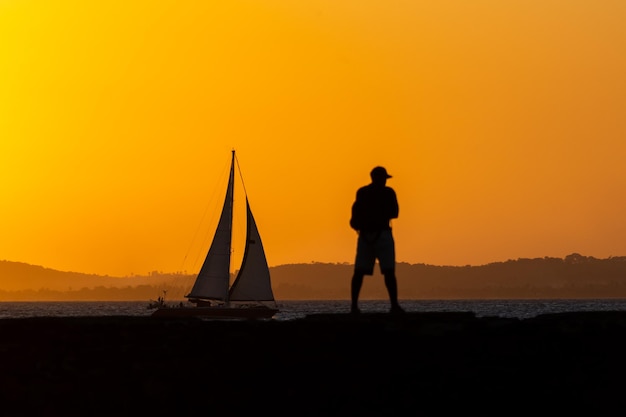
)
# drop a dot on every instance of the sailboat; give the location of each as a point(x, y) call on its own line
point(250, 295)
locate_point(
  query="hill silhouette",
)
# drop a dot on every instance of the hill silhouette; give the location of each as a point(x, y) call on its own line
point(575, 276)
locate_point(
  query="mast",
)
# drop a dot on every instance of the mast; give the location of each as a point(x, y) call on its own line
point(231, 184)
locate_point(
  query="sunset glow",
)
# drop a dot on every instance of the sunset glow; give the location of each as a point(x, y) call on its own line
point(503, 124)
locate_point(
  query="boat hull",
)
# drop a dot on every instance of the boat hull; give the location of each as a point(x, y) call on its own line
point(216, 312)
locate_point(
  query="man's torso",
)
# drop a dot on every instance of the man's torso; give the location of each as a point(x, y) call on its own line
point(374, 207)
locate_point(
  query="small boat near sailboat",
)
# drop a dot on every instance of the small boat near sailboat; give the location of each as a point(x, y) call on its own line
point(250, 295)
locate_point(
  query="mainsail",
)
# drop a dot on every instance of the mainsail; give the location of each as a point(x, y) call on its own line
point(214, 277)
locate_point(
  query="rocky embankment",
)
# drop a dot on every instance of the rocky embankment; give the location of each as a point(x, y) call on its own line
point(419, 364)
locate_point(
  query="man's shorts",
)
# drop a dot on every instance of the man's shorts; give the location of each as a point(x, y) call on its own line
point(372, 246)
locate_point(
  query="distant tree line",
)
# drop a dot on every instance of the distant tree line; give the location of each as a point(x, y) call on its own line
point(575, 276)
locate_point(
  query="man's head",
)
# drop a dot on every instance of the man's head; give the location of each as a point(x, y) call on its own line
point(379, 175)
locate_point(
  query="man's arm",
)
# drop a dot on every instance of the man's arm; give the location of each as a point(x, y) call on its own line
point(394, 208)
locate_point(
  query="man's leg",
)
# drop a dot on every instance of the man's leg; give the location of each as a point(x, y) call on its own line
point(392, 288)
point(387, 259)
point(363, 265)
point(357, 283)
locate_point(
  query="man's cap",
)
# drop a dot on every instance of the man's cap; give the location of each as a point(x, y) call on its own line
point(379, 172)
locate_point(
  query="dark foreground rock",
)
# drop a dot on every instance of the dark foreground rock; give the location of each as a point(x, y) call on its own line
point(421, 364)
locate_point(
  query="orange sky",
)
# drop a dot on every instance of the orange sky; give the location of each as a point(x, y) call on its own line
point(503, 123)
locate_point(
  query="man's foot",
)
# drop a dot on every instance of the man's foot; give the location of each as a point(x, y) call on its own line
point(397, 310)
point(355, 310)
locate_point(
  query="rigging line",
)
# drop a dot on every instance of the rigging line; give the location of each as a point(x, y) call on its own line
point(243, 184)
point(212, 202)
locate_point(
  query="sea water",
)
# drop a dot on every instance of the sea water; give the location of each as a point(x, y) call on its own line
point(291, 310)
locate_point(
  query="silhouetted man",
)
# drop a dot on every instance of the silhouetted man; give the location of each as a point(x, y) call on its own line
point(375, 206)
